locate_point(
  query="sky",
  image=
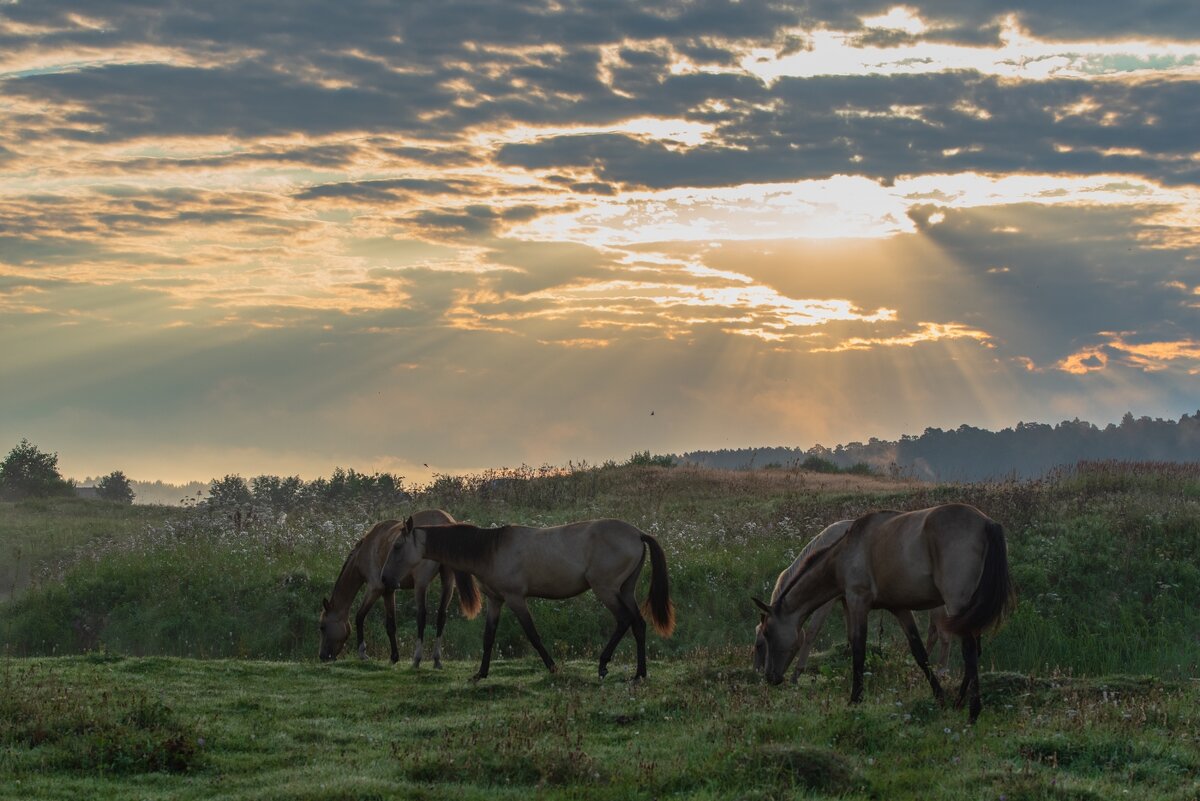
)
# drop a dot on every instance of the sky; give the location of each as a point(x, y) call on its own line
point(279, 237)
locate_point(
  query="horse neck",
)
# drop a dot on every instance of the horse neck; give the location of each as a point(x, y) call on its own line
point(450, 550)
point(817, 586)
point(347, 585)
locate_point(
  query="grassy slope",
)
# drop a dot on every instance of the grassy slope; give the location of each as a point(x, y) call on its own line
point(35, 532)
point(701, 727)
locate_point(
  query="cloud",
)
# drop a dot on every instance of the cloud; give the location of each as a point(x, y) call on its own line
point(769, 222)
point(375, 191)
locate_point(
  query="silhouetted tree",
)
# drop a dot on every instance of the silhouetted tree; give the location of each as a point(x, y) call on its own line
point(115, 487)
point(30, 473)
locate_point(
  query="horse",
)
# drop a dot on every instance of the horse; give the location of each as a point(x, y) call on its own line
point(363, 566)
point(952, 555)
point(808, 635)
point(518, 562)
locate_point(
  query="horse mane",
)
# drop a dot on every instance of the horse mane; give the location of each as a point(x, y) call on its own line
point(863, 521)
point(815, 556)
point(825, 539)
point(819, 550)
point(350, 557)
point(462, 542)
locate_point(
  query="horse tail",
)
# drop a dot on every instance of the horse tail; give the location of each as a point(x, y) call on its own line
point(658, 606)
point(993, 597)
point(469, 602)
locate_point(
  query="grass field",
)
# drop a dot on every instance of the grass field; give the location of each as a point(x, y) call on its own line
point(170, 654)
point(703, 726)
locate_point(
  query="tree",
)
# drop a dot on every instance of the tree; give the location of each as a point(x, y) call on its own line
point(229, 492)
point(29, 473)
point(115, 487)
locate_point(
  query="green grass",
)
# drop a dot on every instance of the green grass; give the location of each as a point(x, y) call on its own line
point(702, 727)
point(36, 533)
point(1090, 689)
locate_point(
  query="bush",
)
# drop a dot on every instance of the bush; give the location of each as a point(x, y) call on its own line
point(816, 464)
point(645, 459)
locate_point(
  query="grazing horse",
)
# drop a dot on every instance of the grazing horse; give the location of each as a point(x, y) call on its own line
point(363, 566)
point(518, 562)
point(808, 634)
point(952, 555)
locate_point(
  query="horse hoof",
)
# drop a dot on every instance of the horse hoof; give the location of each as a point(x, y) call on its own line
point(478, 677)
point(552, 668)
point(603, 672)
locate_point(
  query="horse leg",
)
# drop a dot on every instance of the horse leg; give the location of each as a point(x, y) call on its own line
point(517, 604)
point(938, 641)
point(856, 628)
point(970, 683)
point(809, 636)
point(368, 601)
point(906, 621)
point(389, 612)
point(443, 605)
point(623, 618)
point(639, 632)
point(494, 606)
point(419, 589)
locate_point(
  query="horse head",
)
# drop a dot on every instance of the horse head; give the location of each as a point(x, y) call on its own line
point(407, 550)
point(334, 630)
point(780, 640)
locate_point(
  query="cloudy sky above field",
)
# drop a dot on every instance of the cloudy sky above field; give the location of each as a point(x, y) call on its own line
point(284, 236)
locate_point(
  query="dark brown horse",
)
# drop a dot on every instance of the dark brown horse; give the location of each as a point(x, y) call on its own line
point(952, 555)
point(809, 631)
point(363, 566)
point(518, 562)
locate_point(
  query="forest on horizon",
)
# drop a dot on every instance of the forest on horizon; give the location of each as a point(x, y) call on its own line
point(1027, 450)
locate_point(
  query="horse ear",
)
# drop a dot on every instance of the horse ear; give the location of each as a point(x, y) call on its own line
point(408, 525)
point(325, 604)
point(766, 610)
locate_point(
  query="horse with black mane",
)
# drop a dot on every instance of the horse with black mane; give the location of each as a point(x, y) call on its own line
point(952, 555)
point(518, 562)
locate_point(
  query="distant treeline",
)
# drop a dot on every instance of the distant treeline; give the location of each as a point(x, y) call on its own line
point(974, 454)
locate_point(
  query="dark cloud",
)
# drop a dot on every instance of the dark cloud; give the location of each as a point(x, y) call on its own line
point(383, 190)
point(908, 125)
point(318, 156)
point(475, 221)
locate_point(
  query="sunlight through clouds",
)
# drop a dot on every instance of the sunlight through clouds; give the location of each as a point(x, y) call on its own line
point(490, 220)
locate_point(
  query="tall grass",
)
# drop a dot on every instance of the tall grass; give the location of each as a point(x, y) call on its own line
point(1103, 556)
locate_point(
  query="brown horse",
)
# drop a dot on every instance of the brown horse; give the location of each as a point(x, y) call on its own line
point(518, 562)
point(808, 634)
point(363, 566)
point(952, 555)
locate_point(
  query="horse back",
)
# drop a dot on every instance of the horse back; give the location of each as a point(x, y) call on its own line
point(563, 561)
point(924, 558)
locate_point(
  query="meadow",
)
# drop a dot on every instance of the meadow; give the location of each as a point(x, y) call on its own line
point(174, 656)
